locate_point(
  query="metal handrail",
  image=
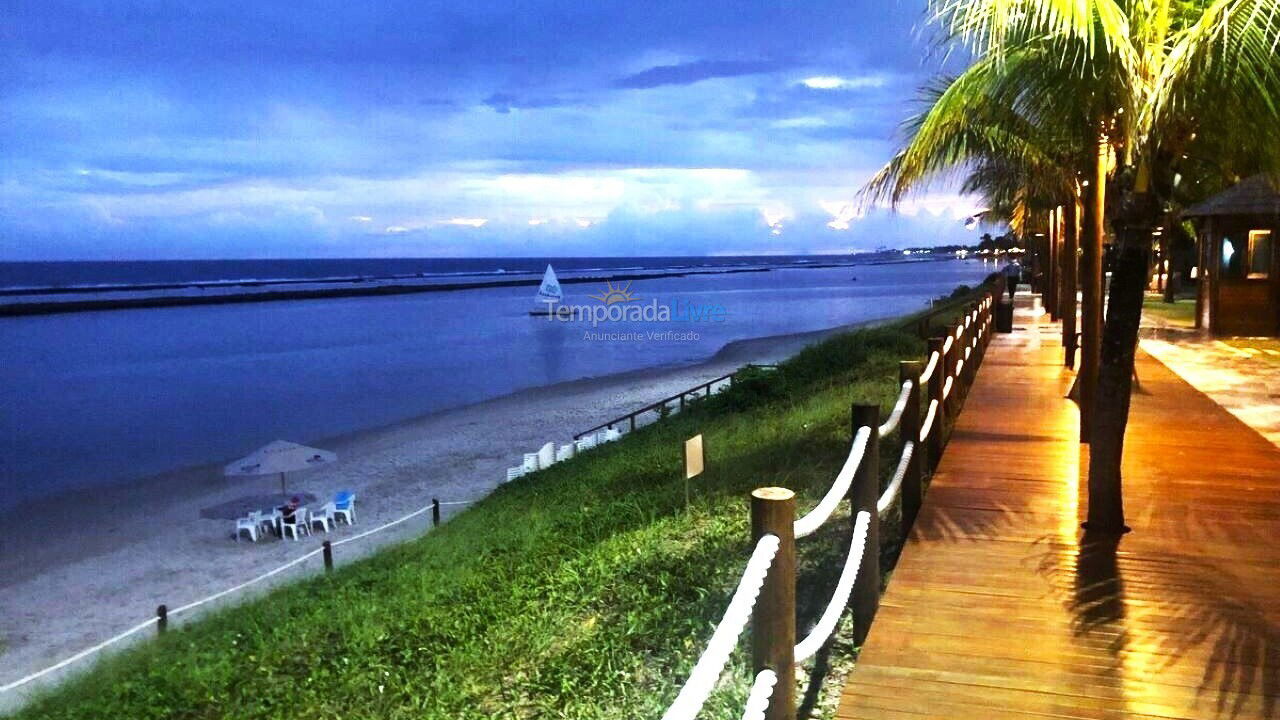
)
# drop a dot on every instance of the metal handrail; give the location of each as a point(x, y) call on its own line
point(705, 388)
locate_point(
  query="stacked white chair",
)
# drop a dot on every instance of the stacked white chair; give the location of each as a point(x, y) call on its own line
point(546, 456)
point(530, 463)
point(585, 443)
point(565, 452)
point(515, 473)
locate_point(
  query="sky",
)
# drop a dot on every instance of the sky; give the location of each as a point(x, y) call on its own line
point(331, 128)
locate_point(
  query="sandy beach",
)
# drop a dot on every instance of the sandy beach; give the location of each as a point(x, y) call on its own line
point(80, 568)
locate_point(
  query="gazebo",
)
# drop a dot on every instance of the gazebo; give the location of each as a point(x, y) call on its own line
point(1236, 233)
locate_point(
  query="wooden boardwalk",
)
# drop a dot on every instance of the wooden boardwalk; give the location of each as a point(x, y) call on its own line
point(1000, 607)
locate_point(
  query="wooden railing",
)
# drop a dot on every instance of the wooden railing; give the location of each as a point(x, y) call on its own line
point(931, 396)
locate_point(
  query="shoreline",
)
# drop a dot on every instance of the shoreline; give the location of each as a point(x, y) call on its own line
point(57, 599)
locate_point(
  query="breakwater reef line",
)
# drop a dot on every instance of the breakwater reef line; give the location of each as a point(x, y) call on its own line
point(224, 291)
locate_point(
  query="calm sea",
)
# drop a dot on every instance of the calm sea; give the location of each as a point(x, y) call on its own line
point(92, 398)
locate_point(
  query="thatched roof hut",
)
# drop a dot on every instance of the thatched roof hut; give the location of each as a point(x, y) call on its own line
point(1258, 195)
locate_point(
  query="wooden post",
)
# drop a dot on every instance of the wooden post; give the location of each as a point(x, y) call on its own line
point(935, 393)
point(435, 512)
point(773, 627)
point(1050, 295)
point(162, 619)
point(863, 495)
point(947, 367)
point(1070, 241)
point(328, 556)
point(971, 364)
point(912, 490)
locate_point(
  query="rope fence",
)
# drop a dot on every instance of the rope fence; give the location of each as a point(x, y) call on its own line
point(895, 417)
point(709, 666)
point(766, 594)
point(163, 613)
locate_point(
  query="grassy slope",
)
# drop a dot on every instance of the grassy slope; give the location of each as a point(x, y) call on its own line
point(585, 591)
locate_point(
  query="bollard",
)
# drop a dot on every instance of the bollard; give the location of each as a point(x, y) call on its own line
point(435, 512)
point(773, 627)
point(162, 619)
point(935, 393)
point(863, 495)
point(912, 491)
point(328, 556)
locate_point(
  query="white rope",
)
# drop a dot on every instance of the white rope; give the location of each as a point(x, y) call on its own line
point(247, 583)
point(895, 486)
point(839, 489)
point(761, 690)
point(83, 653)
point(891, 424)
point(709, 666)
point(959, 368)
point(946, 346)
point(959, 331)
point(928, 370)
point(203, 601)
point(928, 420)
point(946, 388)
point(968, 350)
point(817, 637)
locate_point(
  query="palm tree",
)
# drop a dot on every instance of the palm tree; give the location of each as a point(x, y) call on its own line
point(1067, 94)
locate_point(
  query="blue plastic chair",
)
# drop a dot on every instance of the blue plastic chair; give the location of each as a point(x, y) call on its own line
point(344, 506)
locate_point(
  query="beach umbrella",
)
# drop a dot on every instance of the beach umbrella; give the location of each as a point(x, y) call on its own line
point(279, 457)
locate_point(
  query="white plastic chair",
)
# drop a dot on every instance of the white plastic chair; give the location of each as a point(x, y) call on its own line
point(564, 453)
point(324, 517)
point(250, 525)
point(530, 463)
point(347, 510)
point(585, 443)
point(270, 520)
point(515, 473)
point(299, 526)
point(610, 435)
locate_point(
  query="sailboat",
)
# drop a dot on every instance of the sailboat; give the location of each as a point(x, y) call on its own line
point(549, 293)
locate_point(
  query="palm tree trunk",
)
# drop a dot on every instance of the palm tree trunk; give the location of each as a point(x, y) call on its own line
point(1091, 288)
point(1115, 368)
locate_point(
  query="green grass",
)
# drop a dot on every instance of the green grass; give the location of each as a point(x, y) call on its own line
point(584, 591)
point(1181, 312)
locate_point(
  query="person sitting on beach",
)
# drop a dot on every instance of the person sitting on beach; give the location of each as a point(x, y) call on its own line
point(287, 511)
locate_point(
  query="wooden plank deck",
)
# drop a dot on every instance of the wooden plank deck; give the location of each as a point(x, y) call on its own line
point(1000, 607)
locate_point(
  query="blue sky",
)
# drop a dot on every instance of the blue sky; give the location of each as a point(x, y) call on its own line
point(341, 129)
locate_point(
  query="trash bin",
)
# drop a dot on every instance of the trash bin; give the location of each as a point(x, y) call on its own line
point(1004, 316)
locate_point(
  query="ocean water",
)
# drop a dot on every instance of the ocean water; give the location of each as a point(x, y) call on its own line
point(94, 398)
